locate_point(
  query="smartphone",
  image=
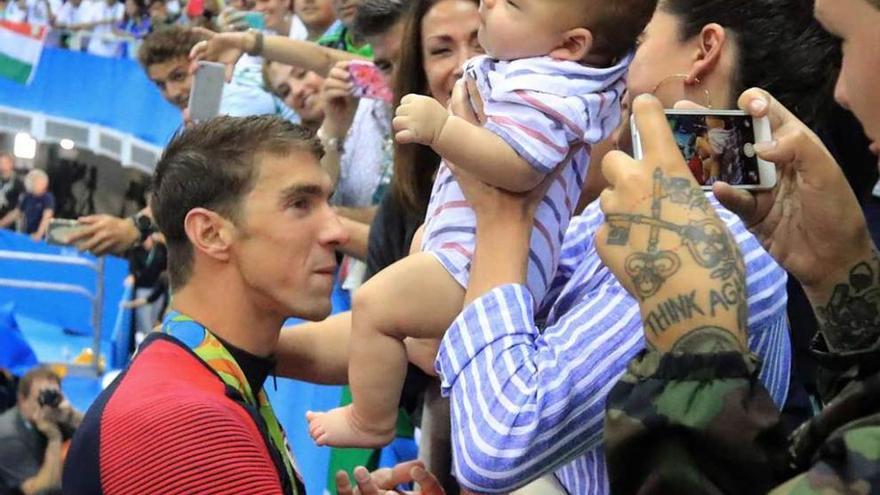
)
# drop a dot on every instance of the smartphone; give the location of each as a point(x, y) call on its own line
point(255, 20)
point(368, 81)
point(719, 145)
point(60, 229)
point(206, 91)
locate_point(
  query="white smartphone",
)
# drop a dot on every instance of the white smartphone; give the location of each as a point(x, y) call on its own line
point(60, 229)
point(719, 145)
point(206, 91)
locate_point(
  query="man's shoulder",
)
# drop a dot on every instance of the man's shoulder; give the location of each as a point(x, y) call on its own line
point(8, 424)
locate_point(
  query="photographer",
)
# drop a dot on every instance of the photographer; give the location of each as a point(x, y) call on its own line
point(32, 433)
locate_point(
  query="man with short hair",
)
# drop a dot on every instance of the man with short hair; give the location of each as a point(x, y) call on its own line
point(11, 187)
point(31, 435)
point(35, 208)
point(243, 205)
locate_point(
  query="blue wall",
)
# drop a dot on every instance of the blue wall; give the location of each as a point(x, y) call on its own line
point(113, 93)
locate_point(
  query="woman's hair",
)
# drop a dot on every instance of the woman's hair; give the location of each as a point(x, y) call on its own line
point(780, 47)
point(414, 164)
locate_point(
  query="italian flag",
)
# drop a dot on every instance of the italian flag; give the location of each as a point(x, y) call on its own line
point(20, 48)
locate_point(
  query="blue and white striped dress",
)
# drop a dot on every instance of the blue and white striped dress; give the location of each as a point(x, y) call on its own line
point(550, 112)
point(528, 400)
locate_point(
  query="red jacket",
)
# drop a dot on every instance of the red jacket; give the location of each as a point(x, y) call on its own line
point(169, 425)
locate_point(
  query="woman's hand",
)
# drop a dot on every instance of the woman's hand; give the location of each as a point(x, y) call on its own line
point(665, 244)
point(339, 104)
point(810, 222)
point(225, 48)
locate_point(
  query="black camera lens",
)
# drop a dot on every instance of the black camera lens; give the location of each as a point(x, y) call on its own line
point(49, 398)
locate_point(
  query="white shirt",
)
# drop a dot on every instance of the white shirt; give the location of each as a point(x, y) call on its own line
point(68, 15)
point(14, 13)
point(102, 43)
point(38, 13)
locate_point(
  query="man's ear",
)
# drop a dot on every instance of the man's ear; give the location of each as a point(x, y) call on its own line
point(712, 41)
point(209, 233)
point(575, 45)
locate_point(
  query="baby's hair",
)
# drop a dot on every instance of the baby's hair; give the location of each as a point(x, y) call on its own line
point(616, 24)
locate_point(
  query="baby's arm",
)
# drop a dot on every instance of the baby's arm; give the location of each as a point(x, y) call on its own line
point(476, 150)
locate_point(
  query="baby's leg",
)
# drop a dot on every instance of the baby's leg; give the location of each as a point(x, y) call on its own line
point(415, 297)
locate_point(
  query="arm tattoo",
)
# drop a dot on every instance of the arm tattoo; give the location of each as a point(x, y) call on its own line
point(707, 340)
point(850, 320)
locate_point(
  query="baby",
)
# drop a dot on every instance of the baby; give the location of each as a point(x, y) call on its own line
point(549, 88)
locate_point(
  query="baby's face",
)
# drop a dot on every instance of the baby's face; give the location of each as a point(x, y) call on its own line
point(514, 29)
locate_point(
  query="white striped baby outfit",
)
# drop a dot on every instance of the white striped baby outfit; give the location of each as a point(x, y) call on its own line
point(550, 112)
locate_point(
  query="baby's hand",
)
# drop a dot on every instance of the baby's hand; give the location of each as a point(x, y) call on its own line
point(419, 119)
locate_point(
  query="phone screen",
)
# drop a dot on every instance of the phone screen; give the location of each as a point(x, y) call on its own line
point(717, 147)
point(368, 81)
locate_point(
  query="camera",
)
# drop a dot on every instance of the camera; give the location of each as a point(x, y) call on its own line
point(49, 397)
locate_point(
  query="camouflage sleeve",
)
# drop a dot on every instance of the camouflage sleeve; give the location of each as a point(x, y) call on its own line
point(701, 424)
point(693, 424)
point(838, 367)
point(838, 451)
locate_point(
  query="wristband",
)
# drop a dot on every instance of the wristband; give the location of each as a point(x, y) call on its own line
point(257, 49)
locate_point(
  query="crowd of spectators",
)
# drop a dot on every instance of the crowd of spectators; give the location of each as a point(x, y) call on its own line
point(589, 385)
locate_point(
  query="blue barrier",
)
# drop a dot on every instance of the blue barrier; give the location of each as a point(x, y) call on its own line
point(70, 311)
point(113, 93)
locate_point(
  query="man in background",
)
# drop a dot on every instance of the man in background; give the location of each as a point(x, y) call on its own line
point(32, 434)
point(11, 187)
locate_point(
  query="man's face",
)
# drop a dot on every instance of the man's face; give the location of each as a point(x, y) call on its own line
point(6, 166)
point(858, 87)
point(386, 51)
point(173, 79)
point(158, 11)
point(346, 10)
point(40, 186)
point(286, 237)
point(274, 12)
point(315, 13)
point(29, 405)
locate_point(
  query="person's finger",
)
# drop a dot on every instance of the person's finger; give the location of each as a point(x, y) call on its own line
point(197, 52)
point(428, 484)
point(402, 473)
point(338, 74)
point(365, 482)
point(688, 105)
point(203, 33)
point(343, 484)
point(83, 233)
point(89, 219)
point(406, 136)
point(614, 164)
point(230, 68)
point(607, 202)
point(658, 145)
point(759, 103)
point(741, 202)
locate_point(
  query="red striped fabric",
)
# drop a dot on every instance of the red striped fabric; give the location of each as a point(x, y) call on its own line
point(180, 434)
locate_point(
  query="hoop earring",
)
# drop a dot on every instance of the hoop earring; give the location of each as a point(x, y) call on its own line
point(683, 77)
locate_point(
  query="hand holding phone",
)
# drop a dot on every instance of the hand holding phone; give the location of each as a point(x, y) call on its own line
point(206, 91)
point(719, 145)
point(60, 230)
point(368, 81)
